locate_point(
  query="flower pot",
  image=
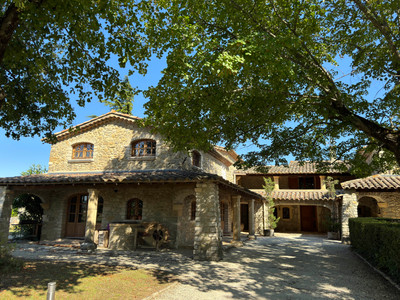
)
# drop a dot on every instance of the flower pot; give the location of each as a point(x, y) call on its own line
point(332, 235)
point(269, 232)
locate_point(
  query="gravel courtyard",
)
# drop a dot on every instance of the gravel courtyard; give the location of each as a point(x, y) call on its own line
point(288, 266)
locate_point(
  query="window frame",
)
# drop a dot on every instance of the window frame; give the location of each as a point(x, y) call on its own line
point(87, 148)
point(196, 157)
point(135, 150)
point(137, 210)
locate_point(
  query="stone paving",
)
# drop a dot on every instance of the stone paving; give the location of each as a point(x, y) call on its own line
point(288, 266)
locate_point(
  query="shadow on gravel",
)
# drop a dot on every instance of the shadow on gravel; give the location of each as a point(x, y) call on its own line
point(300, 268)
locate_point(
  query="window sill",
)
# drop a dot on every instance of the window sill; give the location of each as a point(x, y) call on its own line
point(77, 161)
point(142, 158)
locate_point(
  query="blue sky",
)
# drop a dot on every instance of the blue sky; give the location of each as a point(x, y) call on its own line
point(18, 156)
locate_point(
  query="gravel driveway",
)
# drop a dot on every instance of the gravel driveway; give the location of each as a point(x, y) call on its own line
point(288, 266)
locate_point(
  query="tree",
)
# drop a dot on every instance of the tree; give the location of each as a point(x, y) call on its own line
point(268, 72)
point(51, 49)
point(123, 102)
point(268, 187)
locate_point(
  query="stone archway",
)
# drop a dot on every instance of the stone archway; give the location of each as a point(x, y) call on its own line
point(367, 207)
point(29, 213)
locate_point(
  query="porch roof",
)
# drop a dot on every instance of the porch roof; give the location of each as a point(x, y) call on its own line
point(375, 182)
point(294, 167)
point(117, 177)
point(298, 195)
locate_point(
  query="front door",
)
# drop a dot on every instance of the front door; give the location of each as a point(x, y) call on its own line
point(76, 218)
point(308, 218)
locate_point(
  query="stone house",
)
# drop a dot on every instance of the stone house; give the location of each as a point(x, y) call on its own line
point(303, 202)
point(109, 173)
point(373, 196)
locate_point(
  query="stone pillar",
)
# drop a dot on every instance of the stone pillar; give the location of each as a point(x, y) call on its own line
point(5, 212)
point(91, 219)
point(236, 219)
point(252, 228)
point(207, 238)
point(276, 182)
point(323, 184)
point(349, 210)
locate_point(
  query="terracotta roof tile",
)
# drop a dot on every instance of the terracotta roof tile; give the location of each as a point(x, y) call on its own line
point(375, 182)
point(137, 176)
point(301, 195)
point(294, 167)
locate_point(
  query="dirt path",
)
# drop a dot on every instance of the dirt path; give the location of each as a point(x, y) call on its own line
point(287, 266)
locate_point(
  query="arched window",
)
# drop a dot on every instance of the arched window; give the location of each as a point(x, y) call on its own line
point(82, 151)
point(196, 158)
point(193, 210)
point(134, 209)
point(144, 148)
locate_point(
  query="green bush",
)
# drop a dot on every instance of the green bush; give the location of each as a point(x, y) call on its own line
point(378, 241)
point(7, 262)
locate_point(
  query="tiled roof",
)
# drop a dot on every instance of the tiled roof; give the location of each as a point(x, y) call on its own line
point(137, 176)
point(294, 167)
point(300, 195)
point(375, 182)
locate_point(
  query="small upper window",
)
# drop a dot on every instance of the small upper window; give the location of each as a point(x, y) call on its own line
point(82, 151)
point(144, 148)
point(196, 158)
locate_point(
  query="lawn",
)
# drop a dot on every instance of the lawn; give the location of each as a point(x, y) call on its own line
point(81, 281)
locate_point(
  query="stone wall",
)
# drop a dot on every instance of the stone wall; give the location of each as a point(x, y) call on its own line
point(349, 210)
point(388, 202)
point(112, 152)
point(289, 225)
point(259, 217)
point(208, 242)
point(5, 212)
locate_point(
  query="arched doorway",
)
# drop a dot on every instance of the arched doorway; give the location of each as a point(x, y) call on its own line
point(367, 207)
point(27, 213)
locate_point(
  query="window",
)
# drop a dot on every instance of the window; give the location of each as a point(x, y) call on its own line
point(134, 209)
point(144, 148)
point(306, 183)
point(286, 213)
point(193, 210)
point(82, 151)
point(196, 158)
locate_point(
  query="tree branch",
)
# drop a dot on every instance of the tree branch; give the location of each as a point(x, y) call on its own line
point(8, 24)
point(382, 26)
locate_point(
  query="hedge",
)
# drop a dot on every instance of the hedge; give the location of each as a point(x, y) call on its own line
point(378, 241)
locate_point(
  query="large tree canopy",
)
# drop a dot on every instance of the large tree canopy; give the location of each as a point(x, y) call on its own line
point(50, 49)
point(269, 72)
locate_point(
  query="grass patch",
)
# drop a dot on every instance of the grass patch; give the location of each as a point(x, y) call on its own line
point(81, 281)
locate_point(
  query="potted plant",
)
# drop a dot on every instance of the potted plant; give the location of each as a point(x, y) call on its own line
point(271, 221)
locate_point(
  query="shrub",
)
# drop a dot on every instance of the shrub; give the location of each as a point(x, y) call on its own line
point(378, 240)
point(7, 261)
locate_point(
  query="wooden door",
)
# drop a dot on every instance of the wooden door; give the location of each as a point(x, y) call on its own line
point(308, 218)
point(76, 218)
